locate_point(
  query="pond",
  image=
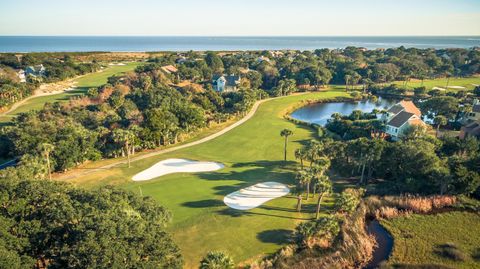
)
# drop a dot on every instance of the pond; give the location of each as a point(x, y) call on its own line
point(319, 113)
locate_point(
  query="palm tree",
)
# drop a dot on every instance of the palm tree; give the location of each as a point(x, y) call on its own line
point(323, 183)
point(304, 177)
point(285, 133)
point(301, 154)
point(217, 260)
point(126, 139)
point(313, 151)
point(47, 149)
point(440, 121)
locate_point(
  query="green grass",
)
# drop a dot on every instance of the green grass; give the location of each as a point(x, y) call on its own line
point(418, 238)
point(252, 153)
point(83, 84)
point(467, 82)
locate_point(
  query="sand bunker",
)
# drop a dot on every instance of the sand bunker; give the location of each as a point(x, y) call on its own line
point(255, 195)
point(456, 87)
point(170, 166)
point(438, 88)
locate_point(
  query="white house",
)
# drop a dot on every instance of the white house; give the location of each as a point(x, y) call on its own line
point(21, 76)
point(401, 117)
point(35, 71)
point(222, 83)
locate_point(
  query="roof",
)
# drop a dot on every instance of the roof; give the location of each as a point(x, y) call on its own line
point(231, 80)
point(169, 69)
point(472, 129)
point(416, 121)
point(476, 108)
point(395, 109)
point(409, 106)
point(400, 119)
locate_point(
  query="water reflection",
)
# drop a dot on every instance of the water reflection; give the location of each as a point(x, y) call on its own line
point(321, 112)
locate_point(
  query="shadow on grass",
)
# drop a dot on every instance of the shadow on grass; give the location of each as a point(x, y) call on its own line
point(239, 213)
point(250, 174)
point(276, 236)
point(204, 203)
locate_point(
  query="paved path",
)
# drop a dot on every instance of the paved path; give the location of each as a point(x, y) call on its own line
point(163, 151)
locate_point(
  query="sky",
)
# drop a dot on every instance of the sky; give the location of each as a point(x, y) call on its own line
point(240, 18)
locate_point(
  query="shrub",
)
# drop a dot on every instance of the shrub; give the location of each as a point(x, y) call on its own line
point(217, 260)
point(386, 212)
point(349, 200)
point(318, 232)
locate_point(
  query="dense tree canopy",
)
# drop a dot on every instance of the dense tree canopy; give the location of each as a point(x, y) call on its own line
point(45, 223)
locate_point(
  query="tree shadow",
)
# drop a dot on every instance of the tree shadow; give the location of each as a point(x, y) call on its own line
point(254, 172)
point(276, 236)
point(204, 203)
point(244, 213)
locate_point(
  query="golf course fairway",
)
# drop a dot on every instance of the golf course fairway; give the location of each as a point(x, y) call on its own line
point(201, 221)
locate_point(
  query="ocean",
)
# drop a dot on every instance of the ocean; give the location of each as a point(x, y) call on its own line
point(185, 43)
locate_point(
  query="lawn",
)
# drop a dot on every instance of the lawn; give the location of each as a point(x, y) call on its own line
point(252, 153)
point(468, 83)
point(83, 84)
point(418, 238)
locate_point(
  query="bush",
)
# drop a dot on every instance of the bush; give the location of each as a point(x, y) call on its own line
point(217, 260)
point(349, 200)
point(318, 232)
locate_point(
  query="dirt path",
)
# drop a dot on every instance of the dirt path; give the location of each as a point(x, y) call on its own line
point(163, 151)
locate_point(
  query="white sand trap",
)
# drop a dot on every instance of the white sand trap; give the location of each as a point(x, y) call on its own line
point(170, 166)
point(255, 195)
point(456, 87)
point(438, 88)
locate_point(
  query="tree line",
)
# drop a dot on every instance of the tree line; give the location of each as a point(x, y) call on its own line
point(349, 66)
point(140, 110)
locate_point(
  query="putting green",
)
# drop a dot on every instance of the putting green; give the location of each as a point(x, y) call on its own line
point(252, 153)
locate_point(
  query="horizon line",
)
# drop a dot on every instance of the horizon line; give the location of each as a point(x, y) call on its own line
point(140, 35)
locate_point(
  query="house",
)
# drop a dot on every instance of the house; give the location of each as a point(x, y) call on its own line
point(400, 117)
point(222, 83)
point(403, 105)
point(472, 129)
point(475, 114)
point(21, 76)
point(169, 69)
point(35, 71)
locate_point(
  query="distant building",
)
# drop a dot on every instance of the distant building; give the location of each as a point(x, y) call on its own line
point(35, 71)
point(222, 83)
point(169, 69)
point(181, 60)
point(472, 129)
point(400, 117)
point(21, 76)
point(475, 114)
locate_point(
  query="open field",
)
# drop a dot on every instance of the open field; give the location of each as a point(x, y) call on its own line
point(419, 238)
point(468, 83)
point(82, 85)
point(201, 222)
